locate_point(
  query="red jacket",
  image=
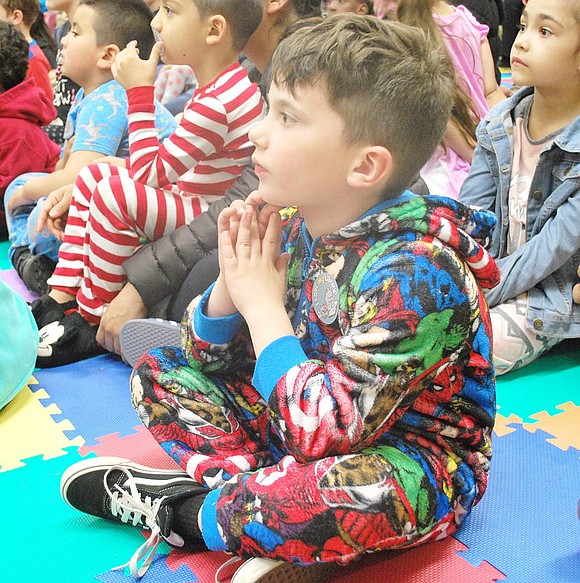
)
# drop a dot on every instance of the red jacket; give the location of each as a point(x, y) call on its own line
point(24, 146)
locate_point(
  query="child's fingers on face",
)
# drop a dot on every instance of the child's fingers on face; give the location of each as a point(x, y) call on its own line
point(248, 234)
point(254, 199)
point(272, 237)
point(226, 252)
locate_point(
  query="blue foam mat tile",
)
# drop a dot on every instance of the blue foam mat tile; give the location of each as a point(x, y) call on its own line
point(93, 395)
point(526, 524)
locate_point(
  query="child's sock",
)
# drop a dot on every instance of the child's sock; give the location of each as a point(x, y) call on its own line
point(186, 519)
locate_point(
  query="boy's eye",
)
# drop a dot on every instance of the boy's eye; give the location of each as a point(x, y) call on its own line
point(545, 32)
point(521, 27)
point(286, 119)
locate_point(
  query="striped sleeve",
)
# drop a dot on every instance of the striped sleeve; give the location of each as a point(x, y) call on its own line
point(210, 146)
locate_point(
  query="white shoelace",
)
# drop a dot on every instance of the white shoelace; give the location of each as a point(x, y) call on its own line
point(131, 509)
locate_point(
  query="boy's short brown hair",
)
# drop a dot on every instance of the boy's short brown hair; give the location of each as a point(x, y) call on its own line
point(242, 17)
point(30, 9)
point(118, 22)
point(391, 87)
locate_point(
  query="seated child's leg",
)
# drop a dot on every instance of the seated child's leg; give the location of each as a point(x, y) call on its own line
point(337, 508)
point(212, 429)
point(67, 276)
point(514, 344)
point(122, 211)
point(18, 222)
point(41, 243)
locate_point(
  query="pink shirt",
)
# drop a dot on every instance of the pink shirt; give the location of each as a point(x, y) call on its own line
point(463, 36)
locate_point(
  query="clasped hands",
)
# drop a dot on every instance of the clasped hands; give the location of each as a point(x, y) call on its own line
point(252, 269)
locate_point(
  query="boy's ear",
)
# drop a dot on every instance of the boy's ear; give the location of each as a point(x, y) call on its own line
point(17, 17)
point(216, 30)
point(107, 58)
point(372, 166)
point(362, 8)
point(275, 6)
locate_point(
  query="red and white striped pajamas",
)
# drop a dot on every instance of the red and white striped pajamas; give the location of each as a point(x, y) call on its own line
point(165, 186)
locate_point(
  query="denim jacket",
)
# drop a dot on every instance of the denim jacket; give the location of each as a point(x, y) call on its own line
point(545, 266)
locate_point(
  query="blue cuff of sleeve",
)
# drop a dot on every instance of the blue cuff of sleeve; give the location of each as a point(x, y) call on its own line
point(215, 330)
point(275, 361)
point(209, 525)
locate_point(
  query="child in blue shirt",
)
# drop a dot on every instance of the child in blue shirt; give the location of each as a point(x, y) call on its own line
point(97, 125)
point(526, 169)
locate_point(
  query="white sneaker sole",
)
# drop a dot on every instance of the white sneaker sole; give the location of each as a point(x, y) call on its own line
point(140, 336)
point(257, 570)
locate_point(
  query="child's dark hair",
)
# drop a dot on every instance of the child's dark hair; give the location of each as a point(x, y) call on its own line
point(371, 7)
point(40, 32)
point(389, 84)
point(14, 61)
point(242, 17)
point(119, 22)
point(306, 8)
point(30, 9)
point(297, 9)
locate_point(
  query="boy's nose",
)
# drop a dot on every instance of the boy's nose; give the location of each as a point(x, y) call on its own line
point(256, 134)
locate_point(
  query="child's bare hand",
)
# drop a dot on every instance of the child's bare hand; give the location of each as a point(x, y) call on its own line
point(251, 264)
point(576, 290)
point(54, 211)
point(264, 210)
point(132, 71)
point(19, 198)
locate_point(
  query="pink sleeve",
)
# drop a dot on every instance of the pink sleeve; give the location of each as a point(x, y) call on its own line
point(481, 29)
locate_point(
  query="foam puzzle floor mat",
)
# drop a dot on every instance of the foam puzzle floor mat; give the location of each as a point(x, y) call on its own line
point(525, 530)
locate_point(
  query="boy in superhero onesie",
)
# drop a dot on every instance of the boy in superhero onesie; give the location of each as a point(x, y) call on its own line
point(334, 393)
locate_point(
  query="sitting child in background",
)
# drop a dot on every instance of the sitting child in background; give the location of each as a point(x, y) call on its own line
point(22, 14)
point(334, 394)
point(174, 86)
point(24, 109)
point(536, 136)
point(65, 89)
point(40, 32)
point(97, 125)
point(354, 6)
point(166, 184)
point(477, 89)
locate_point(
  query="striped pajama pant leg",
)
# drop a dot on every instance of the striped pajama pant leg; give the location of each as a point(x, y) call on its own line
point(68, 275)
point(121, 212)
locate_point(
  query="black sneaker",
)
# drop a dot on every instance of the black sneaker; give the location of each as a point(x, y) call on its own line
point(123, 491)
point(34, 271)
